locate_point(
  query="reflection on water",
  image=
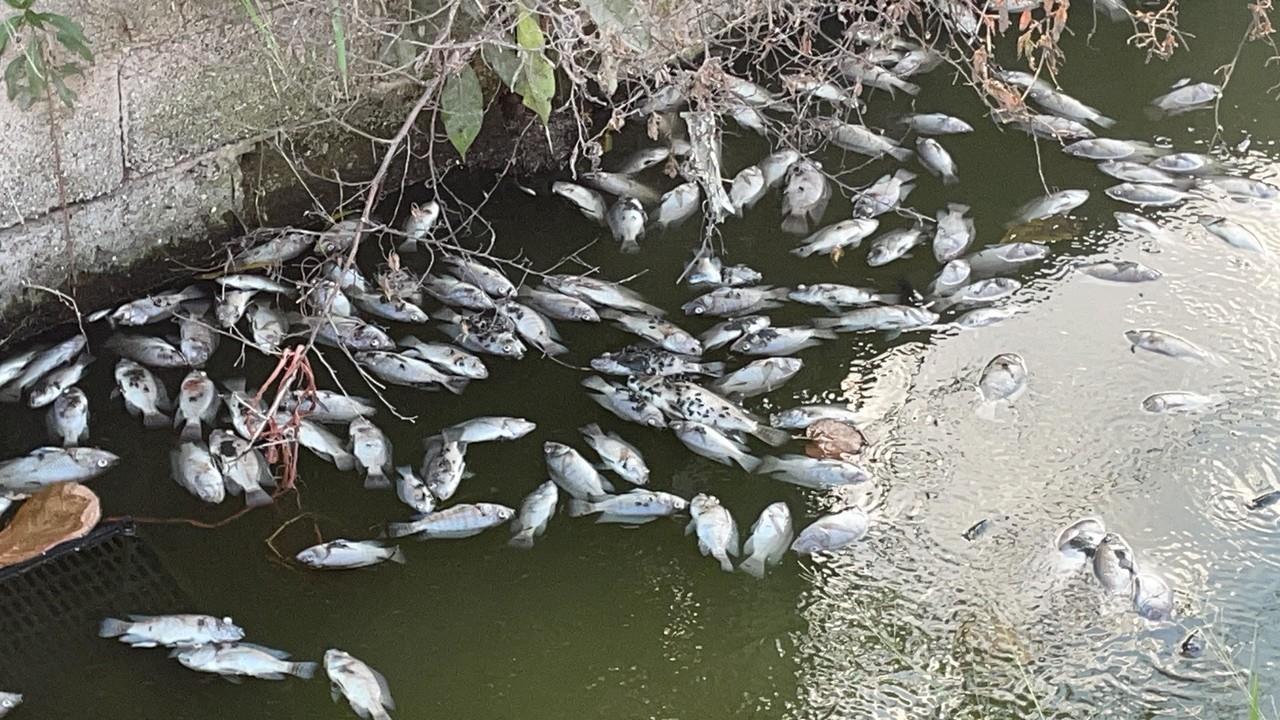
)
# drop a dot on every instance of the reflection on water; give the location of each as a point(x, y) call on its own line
point(916, 621)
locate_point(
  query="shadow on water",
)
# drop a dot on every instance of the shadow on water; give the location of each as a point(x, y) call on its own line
point(915, 622)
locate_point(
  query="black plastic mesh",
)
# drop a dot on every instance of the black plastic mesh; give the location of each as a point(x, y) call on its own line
point(50, 607)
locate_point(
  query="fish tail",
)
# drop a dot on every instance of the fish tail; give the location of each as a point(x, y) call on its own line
point(753, 566)
point(190, 430)
point(795, 224)
point(409, 245)
point(824, 334)
point(304, 670)
point(397, 556)
point(747, 462)
point(823, 323)
point(950, 179)
point(111, 627)
point(399, 530)
point(578, 508)
point(772, 436)
point(900, 154)
point(154, 420)
point(456, 385)
point(631, 247)
point(1104, 122)
point(376, 479)
point(714, 369)
point(257, 497)
point(344, 461)
point(725, 563)
point(766, 465)
point(522, 540)
point(909, 88)
point(553, 348)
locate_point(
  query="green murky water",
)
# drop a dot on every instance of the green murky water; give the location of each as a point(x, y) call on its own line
point(914, 622)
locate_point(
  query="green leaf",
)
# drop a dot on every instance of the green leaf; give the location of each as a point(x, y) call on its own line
point(340, 44)
point(504, 62)
point(20, 4)
point(528, 34)
point(66, 94)
point(8, 29)
point(537, 84)
point(14, 75)
point(70, 34)
point(462, 105)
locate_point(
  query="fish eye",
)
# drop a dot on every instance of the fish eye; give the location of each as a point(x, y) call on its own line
point(102, 463)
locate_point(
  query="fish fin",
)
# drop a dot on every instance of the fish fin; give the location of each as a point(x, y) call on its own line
point(399, 530)
point(397, 556)
point(113, 627)
point(522, 540)
point(753, 565)
point(456, 385)
point(408, 246)
point(1104, 122)
point(714, 369)
point(910, 88)
point(772, 436)
point(304, 670)
point(232, 488)
point(579, 508)
point(154, 420)
point(376, 479)
point(137, 641)
point(273, 652)
point(747, 462)
point(900, 154)
point(824, 334)
point(191, 431)
point(334, 693)
point(257, 497)
point(725, 563)
point(592, 430)
point(796, 224)
point(689, 528)
point(950, 179)
point(553, 348)
point(608, 486)
point(237, 680)
point(612, 518)
point(767, 465)
point(344, 461)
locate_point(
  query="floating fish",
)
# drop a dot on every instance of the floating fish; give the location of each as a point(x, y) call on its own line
point(632, 508)
point(148, 631)
point(349, 554)
point(455, 522)
point(243, 660)
point(771, 535)
point(716, 530)
point(535, 513)
point(365, 689)
point(830, 533)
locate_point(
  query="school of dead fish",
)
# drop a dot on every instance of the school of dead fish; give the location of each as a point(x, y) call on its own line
point(662, 381)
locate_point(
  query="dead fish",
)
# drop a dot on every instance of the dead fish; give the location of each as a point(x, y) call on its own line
point(937, 160)
point(884, 195)
point(268, 325)
point(643, 159)
point(735, 301)
point(243, 660)
point(535, 513)
point(41, 363)
point(716, 530)
point(624, 402)
point(712, 444)
point(935, 124)
point(1186, 98)
point(365, 689)
point(621, 185)
point(194, 470)
point(1179, 401)
point(758, 377)
point(327, 446)
point(805, 197)
point(148, 631)
point(602, 293)
point(1104, 149)
point(1164, 343)
point(455, 522)
point(746, 189)
point(1184, 163)
point(865, 73)
point(402, 369)
point(833, 532)
point(231, 307)
point(954, 233)
point(144, 396)
point(618, 455)
point(418, 225)
point(1058, 203)
point(68, 418)
point(534, 328)
point(448, 358)
point(282, 248)
point(243, 467)
point(1233, 233)
point(627, 223)
point(42, 467)
point(771, 535)
point(1146, 194)
point(344, 554)
point(1052, 127)
point(1065, 106)
point(677, 205)
point(1120, 271)
point(1136, 172)
point(843, 235)
point(636, 507)
point(774, 167)
point(557, 306)
point(895, 244)
point(154, 308)
point(394, 309)
point(456, 293)
point(372, 450)
point(197, 405)
point(862, 140)
point(726, 332)
point(588, 201)
point(48, 388)
point(658, 331)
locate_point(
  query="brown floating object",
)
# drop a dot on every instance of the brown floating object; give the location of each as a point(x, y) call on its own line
point(56, 514)
point(833, 440)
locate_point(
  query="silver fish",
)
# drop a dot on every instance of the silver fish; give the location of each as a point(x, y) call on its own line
point(842, 235)
point(193, 469)
point(327, 406)
point(624, 402)
point(153, 308)
point(1002, 381)
point(712, 444)
point(1058, 203)
point(809, 85)
point(643, 159)
point(1103, 149)
point(1065, 106)
point(1008, 256)
point(365, 689)
point(402, 369)
point(1187, 98)
point(418, 225)
point(150, 351)
point(937, 160)
point(917, 61)
point(726, 302)
point(349, 554)
point(776, 341)
point(982, 317)
point(12, 366)
point(747, 91)
point(662, 333)
point(1078, 540)
point(372, 450)
point(253, 282)
point(746, 189)
point(456, 293)
point(804, 197)
point(198, 338)
point(8, 702)
point(557, 306)
point(862, 140)
point(1137, 223)
point(758, 377)
point(244, 660)
point(771, 535)
point(395, 309)
point(716, 530)
point(897, 318)
point(326, 297)
point(535, 513)
point(935, 124)
point(447, 358)
point(279, 249)
point(350, 333)
point(639, 360)
point(951, 277)
point(489, 334)
point(413, 491)
point(588, 201)
point(814, 473)
point(68, 418)
point(749, 118)
point(1179, 401)
point(621, 185)
point(488, 429)
point(456, 522)
point(618, 455)
point(954, 234)
point(197, 405)
point(895, 244)
point(444, 464)
point(627, 221)
point(1233, 233)
point(1152, 597)
point(833, 295)
point(573, 473)
point(602, 293)
point(1184, 163)
point(1113, 565)
point(144, 396)
point(339, 237)
point(1240, 188)
point(49, 387)
point(688, 401)
point(534, 328)
point(148, 631)
point(327, 446)
point(858, 70)
point(1163, 343)
point(884, 195)
point(268, 325)
point(231, 307)
point(47, 466)
point(980, 292)
point(723, 333)
point(775, 166)
point(1146, 194)
point(677, 205)
point(244, 469)
point(799, 418)
point(1120, 271)
point(830, 533)
point(632, 508)
point(43, 362)
point(1052, 127)
point(1136, 172)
